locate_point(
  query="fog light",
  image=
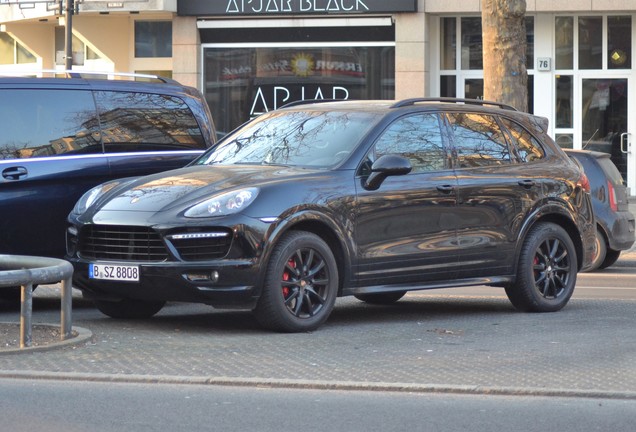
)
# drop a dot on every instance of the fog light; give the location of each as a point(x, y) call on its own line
point(212, 277)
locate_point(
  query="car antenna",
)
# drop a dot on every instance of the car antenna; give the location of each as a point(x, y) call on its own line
point(588, 141)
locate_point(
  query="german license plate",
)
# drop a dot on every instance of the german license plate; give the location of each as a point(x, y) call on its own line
point(114, 272)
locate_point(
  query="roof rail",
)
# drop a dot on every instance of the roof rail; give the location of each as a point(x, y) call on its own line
point(84, 74)
point(309, 101)
point(413, 101)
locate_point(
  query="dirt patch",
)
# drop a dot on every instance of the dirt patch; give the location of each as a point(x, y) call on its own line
point(40, 335)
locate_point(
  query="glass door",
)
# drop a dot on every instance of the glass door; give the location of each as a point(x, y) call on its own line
point(605, 121)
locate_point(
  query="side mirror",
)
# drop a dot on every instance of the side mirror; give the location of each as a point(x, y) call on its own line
point(385, 166)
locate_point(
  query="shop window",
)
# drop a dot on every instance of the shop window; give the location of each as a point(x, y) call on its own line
point(590, 42)
point(564, 39)
point(448, 49)
point(619, 42)
point(471, 43)
point(564, 101)
point(241, 83)
point(12, 52)
point(153, 39)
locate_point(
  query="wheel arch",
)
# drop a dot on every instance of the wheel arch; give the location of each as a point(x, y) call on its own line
point(323, 227)
point(559, 215)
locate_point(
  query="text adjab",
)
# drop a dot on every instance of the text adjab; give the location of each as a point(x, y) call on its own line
point(270, 98)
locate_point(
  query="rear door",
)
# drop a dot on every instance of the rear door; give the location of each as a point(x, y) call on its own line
point(405, 230)
point(497, 189)
point(50, 154)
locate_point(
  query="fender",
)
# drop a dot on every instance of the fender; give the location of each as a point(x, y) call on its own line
point(316, 217)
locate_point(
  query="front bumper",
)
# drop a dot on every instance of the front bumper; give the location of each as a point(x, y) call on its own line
point(223, 284)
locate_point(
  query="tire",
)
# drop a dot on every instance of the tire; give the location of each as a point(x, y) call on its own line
point(610, 258)
point(601, 251)
point(381, 298)
point(546, 273)
point(11, 294)
point(300, 286)
point(129, 308)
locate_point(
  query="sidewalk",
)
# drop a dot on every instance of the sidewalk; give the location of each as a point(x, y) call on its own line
point(428, 342)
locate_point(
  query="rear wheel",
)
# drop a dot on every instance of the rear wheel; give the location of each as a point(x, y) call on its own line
point(381, 298)
point(610, 258)
point(301, 284)
point(601, 250)
point(546, 273)
point(129, 308)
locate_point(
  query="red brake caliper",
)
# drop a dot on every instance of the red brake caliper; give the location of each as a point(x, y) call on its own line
point(286, 276)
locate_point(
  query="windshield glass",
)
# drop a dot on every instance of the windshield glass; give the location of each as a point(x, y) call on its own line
point(294, 138)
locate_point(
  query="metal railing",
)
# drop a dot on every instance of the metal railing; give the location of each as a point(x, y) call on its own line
point(27, 271)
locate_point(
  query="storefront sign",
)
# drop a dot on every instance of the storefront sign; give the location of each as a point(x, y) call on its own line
point(230, 8)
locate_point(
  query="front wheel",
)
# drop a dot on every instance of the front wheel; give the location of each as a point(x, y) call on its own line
point(300, 286)
point(547, 269)
point(129, 308)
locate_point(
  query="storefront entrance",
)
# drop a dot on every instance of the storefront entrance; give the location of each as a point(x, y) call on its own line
point(605, 121)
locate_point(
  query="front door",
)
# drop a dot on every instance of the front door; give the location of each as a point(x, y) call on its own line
point(605, 122)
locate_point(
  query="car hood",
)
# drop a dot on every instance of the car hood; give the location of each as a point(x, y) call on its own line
point(192, 184)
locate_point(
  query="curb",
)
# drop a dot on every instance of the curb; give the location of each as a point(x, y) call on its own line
point(320, 385)
point(82, 335)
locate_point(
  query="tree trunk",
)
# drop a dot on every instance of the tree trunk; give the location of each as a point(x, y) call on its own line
point(504, 52)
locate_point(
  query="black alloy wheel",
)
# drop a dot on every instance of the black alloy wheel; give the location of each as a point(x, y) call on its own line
point(547, 269)
point(301, 284)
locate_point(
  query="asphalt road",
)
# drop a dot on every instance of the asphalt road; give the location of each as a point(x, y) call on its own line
point(55, 406)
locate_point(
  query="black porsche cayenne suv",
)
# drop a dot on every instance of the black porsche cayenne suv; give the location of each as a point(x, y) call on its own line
point(327, 199)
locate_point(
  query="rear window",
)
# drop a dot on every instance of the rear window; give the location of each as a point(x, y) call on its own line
point(133, 122)
point(610, 170)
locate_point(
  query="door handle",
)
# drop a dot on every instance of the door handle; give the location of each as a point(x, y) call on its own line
point(15, 173)
point(625, 142)
point(527, 183)
point(447, 189)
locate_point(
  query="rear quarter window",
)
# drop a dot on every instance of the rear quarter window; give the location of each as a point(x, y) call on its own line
point(137, 122)
point(527, 146)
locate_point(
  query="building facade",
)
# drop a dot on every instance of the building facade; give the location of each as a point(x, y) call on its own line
point(252, 56)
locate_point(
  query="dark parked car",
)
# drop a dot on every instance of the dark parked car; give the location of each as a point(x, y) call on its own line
point(62, 136)
point(610, 201)
point(368, 198)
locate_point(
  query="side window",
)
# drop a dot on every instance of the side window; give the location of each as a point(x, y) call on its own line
point(40, 122)
point(417, 138)
point(134, 122)
point(478, 140)
point(528, 148)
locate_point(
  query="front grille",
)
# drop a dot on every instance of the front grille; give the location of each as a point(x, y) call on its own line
point(202, 246)
point(121, 243)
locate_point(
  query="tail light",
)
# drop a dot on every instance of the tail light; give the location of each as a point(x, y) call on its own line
point(584, 183)
point(611, 196)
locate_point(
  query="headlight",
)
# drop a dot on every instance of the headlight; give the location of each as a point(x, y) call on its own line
point(91, 196)
point(224, 204)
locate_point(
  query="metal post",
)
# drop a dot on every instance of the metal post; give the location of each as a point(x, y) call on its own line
point(66, 309)
point(68, 14)
point(26, 307)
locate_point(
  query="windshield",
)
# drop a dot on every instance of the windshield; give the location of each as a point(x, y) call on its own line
point(293, 138)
